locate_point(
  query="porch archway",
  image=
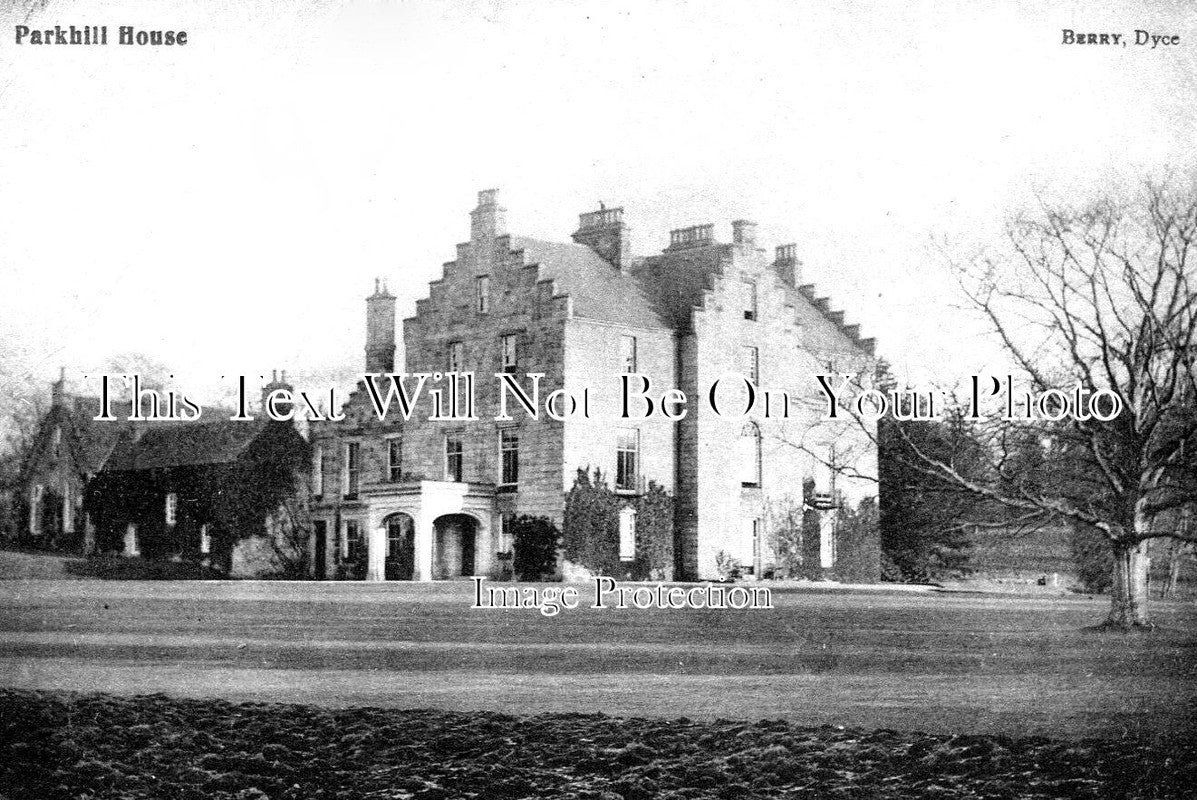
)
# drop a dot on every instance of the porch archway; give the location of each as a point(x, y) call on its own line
point(455, 546)
point(400, 560)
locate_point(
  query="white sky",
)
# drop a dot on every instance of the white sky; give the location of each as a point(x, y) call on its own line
point(223, 207)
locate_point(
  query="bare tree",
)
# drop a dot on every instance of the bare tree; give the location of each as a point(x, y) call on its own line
point(1101, 298)
point(23, 404)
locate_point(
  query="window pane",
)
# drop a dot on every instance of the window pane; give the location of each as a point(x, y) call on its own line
point(318, 470)
point(509, 457)
point(750, 455)
point(750, 367)
point(508, 345)
point(627, 535)
point(453, 459)
point(352, 468)
point(484, 294)
point(394, 459)
point(626, 457)
point(627, 345)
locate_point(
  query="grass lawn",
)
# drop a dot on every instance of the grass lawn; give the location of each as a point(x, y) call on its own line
point(950, 663)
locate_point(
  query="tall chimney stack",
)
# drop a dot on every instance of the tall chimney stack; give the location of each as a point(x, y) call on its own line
point(489, 219)
point(380, 330)
point(744, 232)
point(787, 264)
point(275, 383)
point(605, 233)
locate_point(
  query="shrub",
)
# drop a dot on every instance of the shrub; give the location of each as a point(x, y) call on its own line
point(786, 517)
point(728, 566)
point(536, 543)
point(858, 546)
point(591, 529)
point(1094, 559)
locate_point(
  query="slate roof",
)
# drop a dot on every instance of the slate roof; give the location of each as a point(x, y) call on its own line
point(180, 444)
point(597, 290)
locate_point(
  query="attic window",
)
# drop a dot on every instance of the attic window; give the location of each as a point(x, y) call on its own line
point(57, 442)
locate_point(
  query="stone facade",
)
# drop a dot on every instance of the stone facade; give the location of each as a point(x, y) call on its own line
point(427, 499)
point(67, 451)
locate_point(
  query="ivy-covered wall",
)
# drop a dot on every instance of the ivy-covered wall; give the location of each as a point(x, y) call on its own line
point(591, 529)
point(247, 497)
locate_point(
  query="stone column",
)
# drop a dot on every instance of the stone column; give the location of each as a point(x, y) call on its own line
point(425, 536)
point(484, 548)
point(376, 552)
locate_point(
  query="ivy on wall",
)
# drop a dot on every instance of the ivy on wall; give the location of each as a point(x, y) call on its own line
point(591, 529)
point(233, 499)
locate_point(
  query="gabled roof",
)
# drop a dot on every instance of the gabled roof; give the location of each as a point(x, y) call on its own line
point(180, 444)
point(92, 441)
point(597, 289)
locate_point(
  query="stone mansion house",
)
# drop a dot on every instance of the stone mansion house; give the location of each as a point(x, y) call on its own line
point(422, 499)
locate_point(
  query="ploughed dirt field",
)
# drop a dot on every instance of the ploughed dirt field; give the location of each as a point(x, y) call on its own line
point(73, 746)
point(871, 693)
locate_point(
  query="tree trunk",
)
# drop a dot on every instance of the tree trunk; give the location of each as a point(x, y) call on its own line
point(1174, 555)
point(1128, 593)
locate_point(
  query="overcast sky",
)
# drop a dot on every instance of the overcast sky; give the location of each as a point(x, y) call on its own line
point(224, 207)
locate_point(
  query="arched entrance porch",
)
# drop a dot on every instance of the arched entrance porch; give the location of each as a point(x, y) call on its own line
point(455, 546)
point(400, 559)
point(450, 530)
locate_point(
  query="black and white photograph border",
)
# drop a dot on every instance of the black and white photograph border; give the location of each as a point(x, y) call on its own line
point(517, 399)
